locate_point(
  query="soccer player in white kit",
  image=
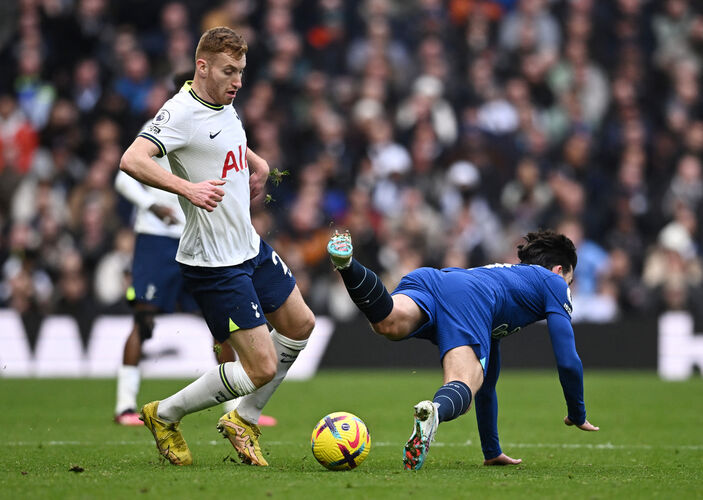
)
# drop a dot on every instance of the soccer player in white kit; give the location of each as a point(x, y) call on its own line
point(237, 279)
point(157, 285)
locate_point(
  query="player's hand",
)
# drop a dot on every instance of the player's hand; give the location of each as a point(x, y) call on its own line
point(586, 426)
point(503, 459)
point(206, 194)
point(257, 183)
point(166, 214)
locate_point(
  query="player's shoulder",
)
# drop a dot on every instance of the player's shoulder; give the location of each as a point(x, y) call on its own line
point(180, 101)
point(176, 110)
point(557, 287)
point(552, 280)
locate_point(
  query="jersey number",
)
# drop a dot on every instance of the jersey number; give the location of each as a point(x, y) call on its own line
point(493, 266)
point(231, 162)
point(277, 260)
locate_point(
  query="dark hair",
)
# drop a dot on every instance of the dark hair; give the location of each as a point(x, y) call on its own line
point(548, 248)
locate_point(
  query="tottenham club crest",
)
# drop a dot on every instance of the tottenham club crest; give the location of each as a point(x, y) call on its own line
point(162, 117)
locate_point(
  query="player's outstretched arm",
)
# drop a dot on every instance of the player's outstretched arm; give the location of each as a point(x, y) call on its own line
point(137, 162)
point(487, 413)
point(586, 426)
point(569, 365)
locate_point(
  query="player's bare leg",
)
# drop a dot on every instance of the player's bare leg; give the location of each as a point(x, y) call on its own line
point(293, 319)
point(461, 363)
point(293, 322)
point(224, 352)
point(258, 353)
point(256, 367)
point(405, 317)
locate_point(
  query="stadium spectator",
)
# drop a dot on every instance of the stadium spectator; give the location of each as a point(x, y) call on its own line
point(18, 139)
point(384, 97)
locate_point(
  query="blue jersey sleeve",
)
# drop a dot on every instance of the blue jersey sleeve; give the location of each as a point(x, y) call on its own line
point(569, 366)
point(557, 297)
point(486, 403)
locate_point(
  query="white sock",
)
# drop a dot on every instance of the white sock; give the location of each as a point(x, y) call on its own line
point(220, 383)
point(230, 405)
point(128, 378)
point(251, 406)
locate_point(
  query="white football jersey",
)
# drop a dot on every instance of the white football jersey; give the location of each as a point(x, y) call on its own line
point(204, 141)
point(143, 196)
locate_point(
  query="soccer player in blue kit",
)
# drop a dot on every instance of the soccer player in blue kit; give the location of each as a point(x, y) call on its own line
point(466, 312)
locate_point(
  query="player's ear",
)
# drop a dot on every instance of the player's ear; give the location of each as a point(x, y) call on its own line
point(201, 67)
point(558, 269)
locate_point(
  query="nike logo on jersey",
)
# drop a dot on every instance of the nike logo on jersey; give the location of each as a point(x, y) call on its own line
point(212, 136)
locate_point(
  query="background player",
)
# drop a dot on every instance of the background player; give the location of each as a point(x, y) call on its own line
point(157, 285)
point(237, 279)
point(466, 312)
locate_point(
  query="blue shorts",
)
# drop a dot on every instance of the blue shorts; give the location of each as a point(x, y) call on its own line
point(237, 297)
point(459, 313)
point(156, 277)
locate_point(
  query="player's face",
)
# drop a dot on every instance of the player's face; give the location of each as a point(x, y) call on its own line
point(224, 77)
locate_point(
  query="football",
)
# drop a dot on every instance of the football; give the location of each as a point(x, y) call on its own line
point(340, 441)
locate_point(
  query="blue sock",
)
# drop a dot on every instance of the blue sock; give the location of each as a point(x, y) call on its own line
point(367, 291)
point(454, 399)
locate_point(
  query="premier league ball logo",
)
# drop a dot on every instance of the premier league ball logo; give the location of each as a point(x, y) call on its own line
point(162, 117)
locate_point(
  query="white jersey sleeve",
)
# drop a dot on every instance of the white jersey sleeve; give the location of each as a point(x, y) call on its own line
point(170, 129)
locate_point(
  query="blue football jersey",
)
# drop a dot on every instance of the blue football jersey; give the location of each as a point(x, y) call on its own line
point(471, 306)
point(521, 294)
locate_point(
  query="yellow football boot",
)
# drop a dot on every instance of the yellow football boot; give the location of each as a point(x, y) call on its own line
point(168, 437)
point(244, 437)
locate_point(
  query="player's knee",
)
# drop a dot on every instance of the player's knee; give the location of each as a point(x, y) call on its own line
point(301, 328)
point(308, 323)
point(144, 321)
point(264, 371)
point(389, 328)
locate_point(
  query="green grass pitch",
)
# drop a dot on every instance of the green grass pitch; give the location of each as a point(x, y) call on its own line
point(650, 444)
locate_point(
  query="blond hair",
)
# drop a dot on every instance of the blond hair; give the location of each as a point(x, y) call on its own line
point(221, 39)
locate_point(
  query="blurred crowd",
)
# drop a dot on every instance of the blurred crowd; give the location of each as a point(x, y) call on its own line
point(437, 131)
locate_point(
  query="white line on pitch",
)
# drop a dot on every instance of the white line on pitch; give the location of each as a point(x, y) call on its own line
point(597, 446)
